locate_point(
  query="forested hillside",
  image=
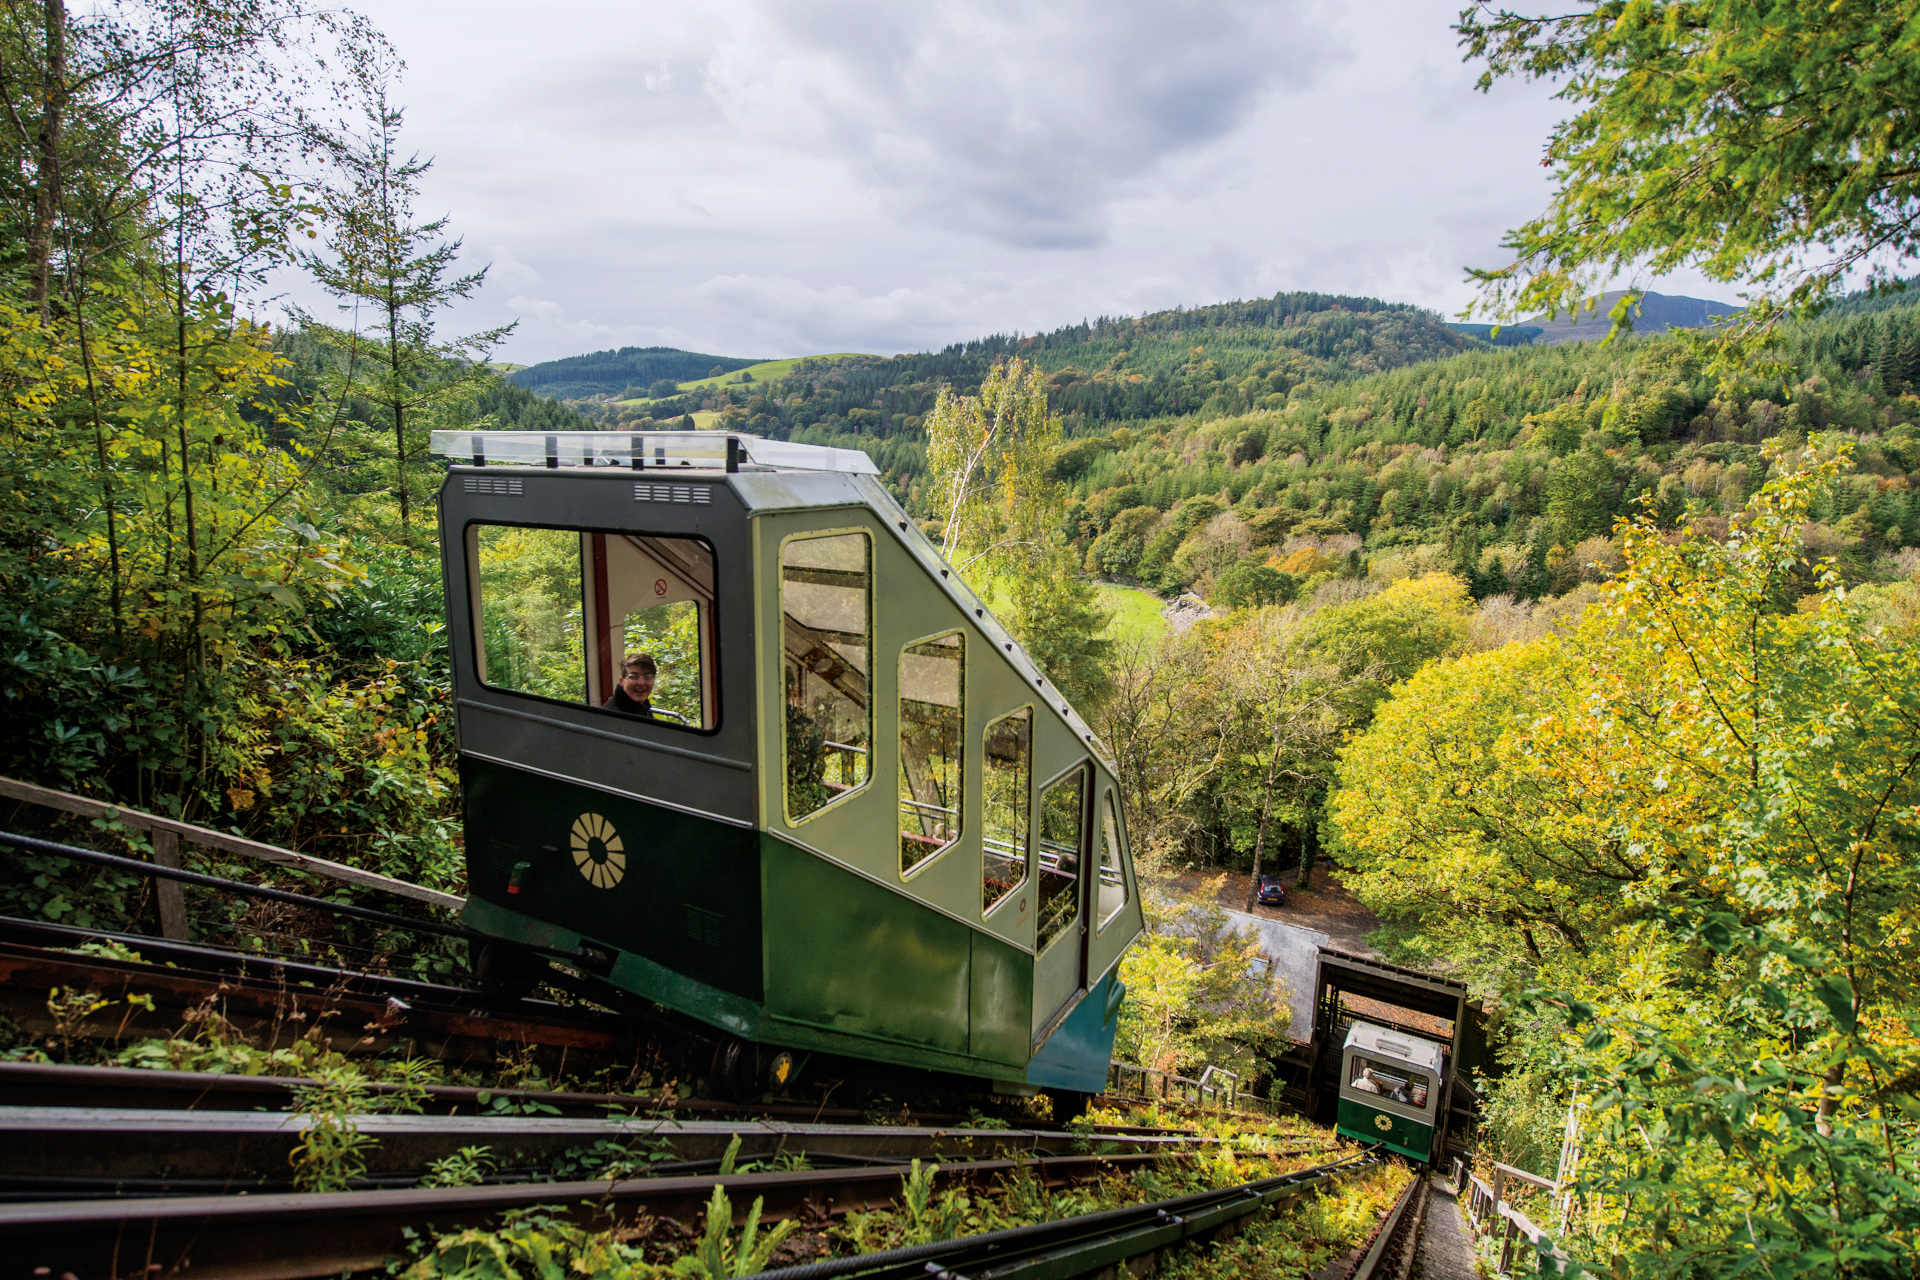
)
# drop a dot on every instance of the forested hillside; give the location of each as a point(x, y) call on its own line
point(1215, 359)
point(623, 374)
point(1500, 464)
point(1497, 462)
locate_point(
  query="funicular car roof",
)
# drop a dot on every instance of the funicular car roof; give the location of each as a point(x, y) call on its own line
point(1381, 1042)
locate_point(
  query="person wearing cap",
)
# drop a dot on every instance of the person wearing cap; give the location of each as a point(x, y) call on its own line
point(634, 693)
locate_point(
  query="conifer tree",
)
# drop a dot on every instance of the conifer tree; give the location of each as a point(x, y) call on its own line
point(382, 261)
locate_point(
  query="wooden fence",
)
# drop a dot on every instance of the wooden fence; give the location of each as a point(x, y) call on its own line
point(1215, 1089)
point(166, 835)
point(1491, 1215)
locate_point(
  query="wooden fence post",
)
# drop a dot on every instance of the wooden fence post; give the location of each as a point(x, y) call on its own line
point(169, 893)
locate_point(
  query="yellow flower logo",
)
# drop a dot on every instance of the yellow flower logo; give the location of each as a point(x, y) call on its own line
point(1383, 1123)
point(597, 851)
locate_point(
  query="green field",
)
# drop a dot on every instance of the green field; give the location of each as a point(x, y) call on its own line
point(1136, 614)
point(765, 371)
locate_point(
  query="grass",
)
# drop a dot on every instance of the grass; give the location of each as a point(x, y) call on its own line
point(765, 371)
point(1136, 613)
point(769, 370)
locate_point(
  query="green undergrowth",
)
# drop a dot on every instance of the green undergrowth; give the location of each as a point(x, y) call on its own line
point(537, 1244)
point(1298, 1241)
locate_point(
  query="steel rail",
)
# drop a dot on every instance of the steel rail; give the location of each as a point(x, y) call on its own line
point(300, 1236)
point(1391, 1252)
point(245, 1149)
point(203, 957)
point(1077, 1246)
point(41, 1084)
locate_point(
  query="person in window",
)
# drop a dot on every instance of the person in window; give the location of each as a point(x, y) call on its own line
point(1366, 1083)
point(634, 693)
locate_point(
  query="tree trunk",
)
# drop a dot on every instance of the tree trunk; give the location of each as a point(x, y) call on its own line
point(1829, 1098)
point(1260, 839)
point(46, 186)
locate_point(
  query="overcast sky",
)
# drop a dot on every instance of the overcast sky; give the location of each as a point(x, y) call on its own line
point(780, 177)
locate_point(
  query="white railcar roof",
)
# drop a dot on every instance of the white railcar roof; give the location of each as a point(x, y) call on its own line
point(1395, 1044)
point(654, 450)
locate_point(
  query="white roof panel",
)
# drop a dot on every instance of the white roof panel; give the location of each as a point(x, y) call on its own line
point(652, 450)
point(1394, 1044)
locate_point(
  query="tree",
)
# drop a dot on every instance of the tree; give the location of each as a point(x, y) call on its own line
point(1000, 507)
point(1197, 993)
point(1694, 825)
point(1580, 495)
point(1772, 143)
point(1385, 637)
point(1285, 696)
point(1249, 583)
point(380, 258)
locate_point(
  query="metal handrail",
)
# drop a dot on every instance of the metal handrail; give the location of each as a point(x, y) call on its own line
point(1173, 1087)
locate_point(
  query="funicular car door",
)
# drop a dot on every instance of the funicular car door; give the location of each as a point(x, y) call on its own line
point(1060, 944)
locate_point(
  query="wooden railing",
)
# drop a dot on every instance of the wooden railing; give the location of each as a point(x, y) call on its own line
point(166, 835)
point(1491, 1214)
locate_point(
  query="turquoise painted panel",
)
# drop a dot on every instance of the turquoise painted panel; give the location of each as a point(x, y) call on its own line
point(1056, 978)
point(1076, 1056)
point(1367, 1124)
point(850, 955)
point(1001, 1018)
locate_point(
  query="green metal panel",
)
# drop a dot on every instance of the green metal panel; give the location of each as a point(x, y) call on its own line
point(848, 955)
point(630, 972)
point(861, 830)
point(1363, 1123)
point(687, 895)
point(1001, 1008)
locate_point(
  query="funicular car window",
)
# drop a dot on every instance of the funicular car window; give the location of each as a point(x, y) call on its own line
point(1391, 1080)
point(1113, 878)
point(622, 622)
point(1006, 806)
point(1062, 815)
point(826, 617)
point(932, 676)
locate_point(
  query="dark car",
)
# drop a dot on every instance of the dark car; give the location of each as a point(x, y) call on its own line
point(1273, 893)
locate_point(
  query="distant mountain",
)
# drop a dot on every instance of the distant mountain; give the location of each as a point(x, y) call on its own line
point(624, 373)
point(1658, 313)
point(1226, 357)
point(1500, 335)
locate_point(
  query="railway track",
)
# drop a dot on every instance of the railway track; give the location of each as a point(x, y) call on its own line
point(293, 1236)
point(65, 1152)
point(273, 1000)
point(1395, 1244)
point(1118, 1239)
point(117, 1171)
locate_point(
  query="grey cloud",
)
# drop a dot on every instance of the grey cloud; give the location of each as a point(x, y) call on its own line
point(1022, 123)
point(619, 95)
